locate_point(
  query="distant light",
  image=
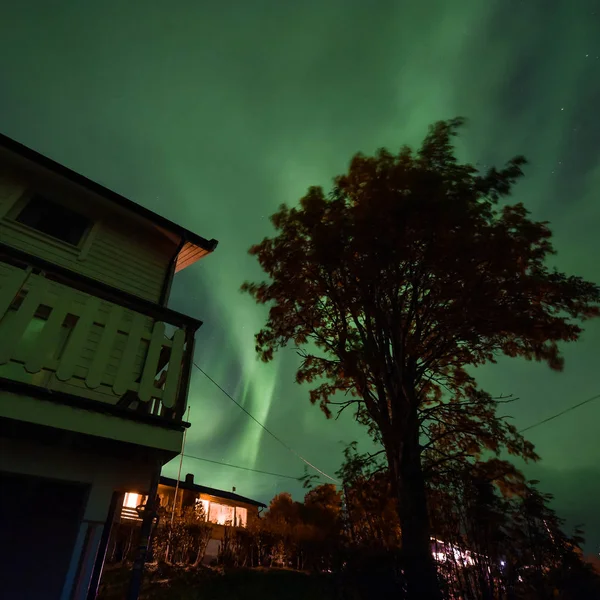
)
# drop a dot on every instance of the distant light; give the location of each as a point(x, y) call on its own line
point(502, 563)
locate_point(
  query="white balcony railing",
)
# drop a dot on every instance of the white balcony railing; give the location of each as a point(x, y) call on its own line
point(70, 334)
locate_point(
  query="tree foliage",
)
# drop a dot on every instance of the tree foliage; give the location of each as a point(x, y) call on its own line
point(411, 271)
point(302, 535)
point(496, 536)
point(184, 539)
point(411, 263)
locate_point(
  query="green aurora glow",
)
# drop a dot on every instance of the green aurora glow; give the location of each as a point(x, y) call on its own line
point(214, 113)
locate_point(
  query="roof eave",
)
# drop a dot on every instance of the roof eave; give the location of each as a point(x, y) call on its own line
point(202, 489)
point(96, 188)
point(191, 253)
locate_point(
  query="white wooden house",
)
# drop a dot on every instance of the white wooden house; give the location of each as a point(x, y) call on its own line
point(94, 367)
point(221, 508)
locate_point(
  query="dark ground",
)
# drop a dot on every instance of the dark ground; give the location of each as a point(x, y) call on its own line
point(173, 583)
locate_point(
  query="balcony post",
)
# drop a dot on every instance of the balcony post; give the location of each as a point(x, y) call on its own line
point(115, 504)
point(150, 513)
point(186, 373)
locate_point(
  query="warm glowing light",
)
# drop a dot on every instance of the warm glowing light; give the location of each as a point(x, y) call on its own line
point(447, 550)
point(205, 506)
point(220, 514)
point(241, 516)
point(132, 500)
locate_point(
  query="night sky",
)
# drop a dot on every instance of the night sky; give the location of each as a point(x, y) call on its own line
point(214, 113)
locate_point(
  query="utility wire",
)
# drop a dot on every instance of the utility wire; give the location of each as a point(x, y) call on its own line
point(560, 414)
point(290, 449)
point(281, 475)
point(217, 462)
point(278, 439)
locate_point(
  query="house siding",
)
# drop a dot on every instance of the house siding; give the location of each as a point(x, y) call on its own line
point(60, 338)
point(9, 192)
point(121, 252)
point(187, 498)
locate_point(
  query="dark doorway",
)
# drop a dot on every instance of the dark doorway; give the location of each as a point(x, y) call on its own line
point(39, 522)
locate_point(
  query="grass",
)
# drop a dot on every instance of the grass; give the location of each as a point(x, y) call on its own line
point(176, 583)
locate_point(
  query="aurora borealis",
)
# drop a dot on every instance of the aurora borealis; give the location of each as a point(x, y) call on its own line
point(213, 114)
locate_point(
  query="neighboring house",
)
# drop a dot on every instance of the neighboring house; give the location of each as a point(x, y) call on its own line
point(94, 368)
point(221, 508)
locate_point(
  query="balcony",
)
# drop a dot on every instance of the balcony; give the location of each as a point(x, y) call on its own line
point(72, 339)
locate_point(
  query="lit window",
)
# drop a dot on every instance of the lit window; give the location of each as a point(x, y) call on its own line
point(202, 505)
point(241, 516)
point(132, 500)
point(54, 220)
point(205, 507)
point(221, 514)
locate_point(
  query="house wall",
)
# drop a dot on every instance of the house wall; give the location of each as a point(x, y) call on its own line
point(105, 474)
point(120, 250)
point(187, 498)
point(218, 530)
point(102, 473)
point(77, 420)
point(37, 513)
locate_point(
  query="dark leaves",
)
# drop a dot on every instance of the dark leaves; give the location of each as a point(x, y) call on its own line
point(408, 272)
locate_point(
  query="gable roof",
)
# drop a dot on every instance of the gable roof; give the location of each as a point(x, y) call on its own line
point(193, 246)
point(202, 489)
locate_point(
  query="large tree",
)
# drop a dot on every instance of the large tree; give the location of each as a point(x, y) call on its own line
point(410, 271)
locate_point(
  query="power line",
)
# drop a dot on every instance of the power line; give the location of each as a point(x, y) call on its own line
point(290, 449)
point(281, 475)
point(278, 439)
point(217, 462)
point(560, 414)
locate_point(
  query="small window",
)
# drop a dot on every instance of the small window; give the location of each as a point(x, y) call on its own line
point(54, 219)
point(132, 500)
point(241, 516)
point(202, 507)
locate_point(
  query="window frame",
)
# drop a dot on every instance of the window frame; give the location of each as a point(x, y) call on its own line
point(210, 505)
point(20, 204)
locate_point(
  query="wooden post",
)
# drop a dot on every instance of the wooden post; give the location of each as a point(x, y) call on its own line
point(176, 490)
point(115, 505)
point(186, 373)
point(150, 513)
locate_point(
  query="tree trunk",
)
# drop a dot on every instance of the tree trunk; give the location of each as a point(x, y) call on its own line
point(408, 486)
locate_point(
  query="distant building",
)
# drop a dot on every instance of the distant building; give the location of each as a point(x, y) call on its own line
point(220, 508)
point(94, 368)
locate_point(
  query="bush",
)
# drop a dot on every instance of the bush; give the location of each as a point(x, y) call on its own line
point(184, 541)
